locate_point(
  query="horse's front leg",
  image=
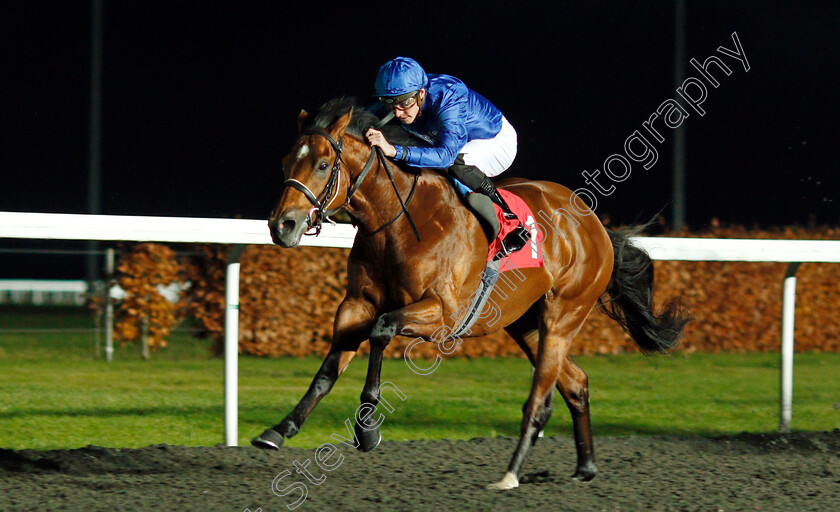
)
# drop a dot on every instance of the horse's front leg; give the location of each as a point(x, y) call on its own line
point(352, 326)
point(419, 319)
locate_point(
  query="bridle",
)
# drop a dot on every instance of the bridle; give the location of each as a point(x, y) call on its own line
point(320, 203)
point(319, 212)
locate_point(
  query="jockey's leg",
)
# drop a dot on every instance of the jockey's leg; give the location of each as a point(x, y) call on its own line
point(486, 213)
point(472, 177)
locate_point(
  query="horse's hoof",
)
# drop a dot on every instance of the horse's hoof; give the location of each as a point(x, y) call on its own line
point(268, 440)
point(508, 482)
point(586, 472)
point(368, 439)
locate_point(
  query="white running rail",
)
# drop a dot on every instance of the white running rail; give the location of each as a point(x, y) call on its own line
point(242, 232)
point(42, 291)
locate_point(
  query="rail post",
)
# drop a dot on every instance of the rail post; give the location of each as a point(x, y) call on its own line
point(109, 305)
point(232, 346)
point(788, 315)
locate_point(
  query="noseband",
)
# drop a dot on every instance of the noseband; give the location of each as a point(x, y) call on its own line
point(319, 212)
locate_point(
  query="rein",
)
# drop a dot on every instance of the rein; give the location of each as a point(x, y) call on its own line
point(403, 204)
point(320, 202)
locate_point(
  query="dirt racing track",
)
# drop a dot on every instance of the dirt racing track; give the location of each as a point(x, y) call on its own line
point(795, 472)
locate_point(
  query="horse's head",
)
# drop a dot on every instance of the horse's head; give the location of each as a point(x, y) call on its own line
point(314, 186)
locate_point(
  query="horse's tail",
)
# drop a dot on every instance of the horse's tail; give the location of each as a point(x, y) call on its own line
point(631, 297)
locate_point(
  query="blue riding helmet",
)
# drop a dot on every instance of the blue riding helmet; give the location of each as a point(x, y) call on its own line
point(400, 76)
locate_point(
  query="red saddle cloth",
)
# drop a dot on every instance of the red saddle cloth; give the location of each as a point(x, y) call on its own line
point(529, 256)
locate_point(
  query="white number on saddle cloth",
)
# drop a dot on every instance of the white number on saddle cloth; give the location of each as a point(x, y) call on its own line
point(532, 227)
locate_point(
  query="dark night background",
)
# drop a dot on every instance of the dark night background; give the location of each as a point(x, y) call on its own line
point(201, 102)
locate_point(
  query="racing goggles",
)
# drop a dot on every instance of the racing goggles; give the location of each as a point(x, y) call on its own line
point(401, 102)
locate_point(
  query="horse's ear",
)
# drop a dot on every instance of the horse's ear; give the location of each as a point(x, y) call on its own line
point(340, 124)
point(301, 119)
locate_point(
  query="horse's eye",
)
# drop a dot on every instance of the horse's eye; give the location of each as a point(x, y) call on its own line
point(322, 166)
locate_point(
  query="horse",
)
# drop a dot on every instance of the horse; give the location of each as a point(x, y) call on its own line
point(419, 254)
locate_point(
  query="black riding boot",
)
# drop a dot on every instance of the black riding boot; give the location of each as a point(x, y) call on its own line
point(516, 239)
point(472, 177)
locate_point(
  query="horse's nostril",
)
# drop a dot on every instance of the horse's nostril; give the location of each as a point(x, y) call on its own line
point(287, 225)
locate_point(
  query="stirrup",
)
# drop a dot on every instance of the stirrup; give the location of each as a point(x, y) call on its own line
point(514, 241)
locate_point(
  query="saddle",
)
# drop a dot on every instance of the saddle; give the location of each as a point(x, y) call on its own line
point(531, 254)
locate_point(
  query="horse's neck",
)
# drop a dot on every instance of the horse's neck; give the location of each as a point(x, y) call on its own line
point(448, 231)
point(376, 203)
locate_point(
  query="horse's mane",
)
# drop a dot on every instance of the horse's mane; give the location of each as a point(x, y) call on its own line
point(361, 120)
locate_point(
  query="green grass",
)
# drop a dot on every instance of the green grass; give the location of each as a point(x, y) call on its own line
point(54, 394)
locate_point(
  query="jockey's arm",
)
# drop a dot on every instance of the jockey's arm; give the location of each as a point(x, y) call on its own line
point(449, 140)
point(376, 138)
point(448, 143)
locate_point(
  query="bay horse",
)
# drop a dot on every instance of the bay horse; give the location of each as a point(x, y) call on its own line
point(419, 254)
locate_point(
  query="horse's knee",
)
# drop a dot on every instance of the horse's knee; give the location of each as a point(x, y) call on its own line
point(384, 329)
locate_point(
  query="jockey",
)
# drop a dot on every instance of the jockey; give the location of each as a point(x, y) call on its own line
point(470, 138)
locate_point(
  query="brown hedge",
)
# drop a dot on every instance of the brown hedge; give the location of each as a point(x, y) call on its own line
point(289, 297)
point(144, 315)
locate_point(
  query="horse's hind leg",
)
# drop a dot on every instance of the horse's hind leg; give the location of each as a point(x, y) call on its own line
point(574, 386)
point(572, 383)
point(537, 409)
